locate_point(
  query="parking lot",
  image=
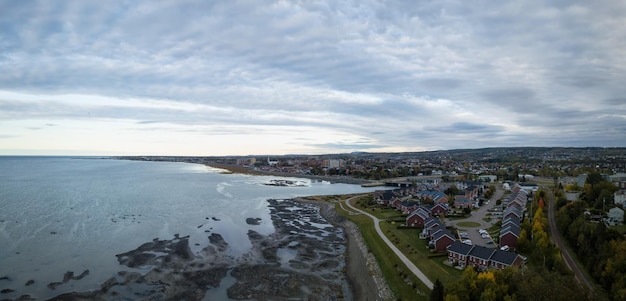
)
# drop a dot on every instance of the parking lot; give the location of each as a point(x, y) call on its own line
point(477, 216)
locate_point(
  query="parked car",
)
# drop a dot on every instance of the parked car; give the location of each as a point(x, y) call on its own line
point(467, 242)
point(504, 248)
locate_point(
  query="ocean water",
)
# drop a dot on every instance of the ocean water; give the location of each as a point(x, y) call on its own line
point(62, 214)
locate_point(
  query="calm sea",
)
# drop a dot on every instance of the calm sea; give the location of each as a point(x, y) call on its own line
point(72, 214)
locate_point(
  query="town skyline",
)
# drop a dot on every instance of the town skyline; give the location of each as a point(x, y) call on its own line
point(276, 78)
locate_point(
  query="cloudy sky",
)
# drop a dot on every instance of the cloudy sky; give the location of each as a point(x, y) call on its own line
point(284, 77)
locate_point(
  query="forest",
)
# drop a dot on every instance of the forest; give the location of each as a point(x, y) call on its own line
point(601, 249)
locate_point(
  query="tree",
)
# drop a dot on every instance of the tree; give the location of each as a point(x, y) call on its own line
point(437, 293)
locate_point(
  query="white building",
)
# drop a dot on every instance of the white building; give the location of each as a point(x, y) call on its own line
point(582, 179)
point(620, 197)
point(616, 216)
point(488, 178)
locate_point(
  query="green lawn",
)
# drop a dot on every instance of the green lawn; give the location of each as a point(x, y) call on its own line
point(408, 242)
point(468, 224)
point(621, 228)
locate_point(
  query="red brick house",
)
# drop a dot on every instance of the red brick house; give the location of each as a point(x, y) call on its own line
point(479, 257)
point(441, 239)
point(502, 259)
point(438, 209)
point(509, 235)
point(458, 252)
point(417, 217)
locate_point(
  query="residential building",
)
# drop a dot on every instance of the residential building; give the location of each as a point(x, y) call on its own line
point(616, 216)
point(582, 179)
point(441, 239)
point(417, 217)
point(481, 257)
point(620, 197)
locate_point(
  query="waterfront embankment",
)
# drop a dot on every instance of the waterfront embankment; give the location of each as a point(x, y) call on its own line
point(232, 168)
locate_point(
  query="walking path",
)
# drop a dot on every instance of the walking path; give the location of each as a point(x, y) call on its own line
point(417, 272)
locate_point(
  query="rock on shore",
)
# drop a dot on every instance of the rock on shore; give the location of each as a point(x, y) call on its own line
point(306, 258)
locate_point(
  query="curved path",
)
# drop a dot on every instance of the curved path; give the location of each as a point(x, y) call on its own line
point(417, 272)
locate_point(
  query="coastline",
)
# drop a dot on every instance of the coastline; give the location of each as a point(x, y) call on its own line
point(362, 270)
point(363, 273)
point(231, 168)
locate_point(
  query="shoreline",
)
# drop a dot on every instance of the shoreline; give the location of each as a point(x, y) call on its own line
point(231, 168)
point(362, 270)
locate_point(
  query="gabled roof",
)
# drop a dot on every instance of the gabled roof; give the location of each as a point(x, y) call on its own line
point(512, 210)
point(432, 194)
point(443, 232)
point(387, 195)
point(511, 228)
point(481, 252)
point(444, 206)
point(421, 212)
point(432, 221)
point(504, 257)
point(409, 203)
point(511, 219)
point(460, 248)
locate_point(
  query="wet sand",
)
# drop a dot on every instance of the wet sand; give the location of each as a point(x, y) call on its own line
point(306, 258)
point(364, 275)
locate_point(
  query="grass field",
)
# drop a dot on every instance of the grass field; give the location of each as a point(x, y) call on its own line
point(403, 283)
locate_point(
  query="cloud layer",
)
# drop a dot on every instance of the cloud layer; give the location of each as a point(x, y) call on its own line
point(276, 77)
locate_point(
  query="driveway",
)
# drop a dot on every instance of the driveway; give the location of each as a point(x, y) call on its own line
point(477, 217)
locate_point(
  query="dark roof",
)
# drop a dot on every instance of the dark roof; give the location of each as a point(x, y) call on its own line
point(421, 212)
point(504, 257)
point(431, 221)
point(442, 232)
point(408, 204)
point(481, 252)
point(387, 195)
point(460, 248)
point(511, 228)
point(511, 219)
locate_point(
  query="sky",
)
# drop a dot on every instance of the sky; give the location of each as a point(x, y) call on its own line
point(212, 78)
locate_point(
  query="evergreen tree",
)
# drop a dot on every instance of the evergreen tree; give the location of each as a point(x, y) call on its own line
point(437, 292)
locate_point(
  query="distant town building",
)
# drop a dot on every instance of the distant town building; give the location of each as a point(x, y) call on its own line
point(582, 179)
point(488, 178)
point(618, 179)
point(333, 163)
point(529, 187)
point(246, 161)
point(616, 216)
point(620, 197)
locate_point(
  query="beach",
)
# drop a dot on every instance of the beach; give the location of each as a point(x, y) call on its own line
point(363, 272)
point(172, 231)
point(314, 254)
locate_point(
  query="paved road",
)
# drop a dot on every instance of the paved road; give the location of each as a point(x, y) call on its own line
point(417, 272)
point(560, 242)
point(477, 217)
